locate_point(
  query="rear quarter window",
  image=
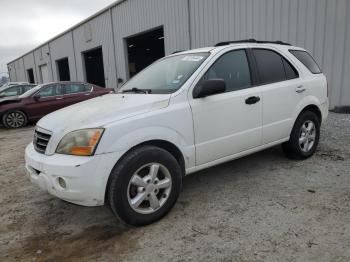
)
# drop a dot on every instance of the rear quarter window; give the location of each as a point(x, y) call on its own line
point(307, 60)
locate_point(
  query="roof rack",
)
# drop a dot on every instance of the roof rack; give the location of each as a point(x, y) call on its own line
point(251, 41)
point(178, 52)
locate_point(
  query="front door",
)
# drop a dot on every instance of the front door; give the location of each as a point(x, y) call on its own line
point(46, 100)
point(228, 123)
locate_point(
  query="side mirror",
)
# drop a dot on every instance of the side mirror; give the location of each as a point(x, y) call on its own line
point(36, 97)
point(209, 87)
point(120, 80)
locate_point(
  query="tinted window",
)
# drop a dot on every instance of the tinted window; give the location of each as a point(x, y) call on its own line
point(74, 88)
point(26, 88)
point(12, 91)
point(270, 66)
point(232, 67)
point(51, 90)
point(291, 72)
point(88, 88)
point(307, 60)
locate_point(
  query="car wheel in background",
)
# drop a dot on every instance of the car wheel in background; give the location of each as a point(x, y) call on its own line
point(144, 185)
point(14, 119)
point(304, 137)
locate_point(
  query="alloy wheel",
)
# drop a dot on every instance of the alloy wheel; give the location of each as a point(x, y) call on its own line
point(15, 119)
point(307, 136)
point(149, 188)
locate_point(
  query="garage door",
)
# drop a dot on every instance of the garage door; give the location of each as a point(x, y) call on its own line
point(44, 74)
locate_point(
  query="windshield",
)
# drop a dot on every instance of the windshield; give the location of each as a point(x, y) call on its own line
point(30, 92)
point(167, 75)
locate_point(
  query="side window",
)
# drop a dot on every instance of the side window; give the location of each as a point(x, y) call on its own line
point(12, 91)
point(291, 72)
point(51, 90)
point(270, 66)
point(232, 67)
point(307, 60)
point(26, 88)
point(88, 88)
point(74, 88)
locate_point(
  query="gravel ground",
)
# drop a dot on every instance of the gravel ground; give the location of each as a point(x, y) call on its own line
point(262, 207)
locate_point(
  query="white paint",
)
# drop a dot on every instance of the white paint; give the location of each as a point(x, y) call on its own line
point(44, 74)
point(207, 131)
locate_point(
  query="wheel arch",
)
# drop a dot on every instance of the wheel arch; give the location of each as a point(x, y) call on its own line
point(163, 144)
point(3, 114)
point(312, 108)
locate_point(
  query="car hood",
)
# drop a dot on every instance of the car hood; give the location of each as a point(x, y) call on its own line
point(101, 111)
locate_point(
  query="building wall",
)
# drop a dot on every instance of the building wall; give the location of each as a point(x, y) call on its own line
point(321, 26)
point(12, 70)
point(19, 69)
point(96, 33)
point(62, 47)
point(135, 16)
point(29, 62)
point(42, 57)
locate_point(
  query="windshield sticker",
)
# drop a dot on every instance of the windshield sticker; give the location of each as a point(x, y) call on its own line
point(193, 58)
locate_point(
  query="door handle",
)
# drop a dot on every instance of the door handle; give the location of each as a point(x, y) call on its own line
point(300, 89)
point(59, 98)
point(252, 100)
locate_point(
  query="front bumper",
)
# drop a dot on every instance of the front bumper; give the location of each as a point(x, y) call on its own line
point(85, 177)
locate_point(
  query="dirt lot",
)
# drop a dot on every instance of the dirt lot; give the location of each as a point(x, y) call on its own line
point(262, 207)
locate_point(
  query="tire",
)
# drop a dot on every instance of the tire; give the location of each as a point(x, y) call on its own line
point(132, 180)
point(14, 119)
point(304, 138)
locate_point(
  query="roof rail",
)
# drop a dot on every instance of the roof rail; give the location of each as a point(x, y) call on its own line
point(178, 52)
point(251, 41)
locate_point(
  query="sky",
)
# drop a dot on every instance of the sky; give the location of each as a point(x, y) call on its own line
point(25, 24)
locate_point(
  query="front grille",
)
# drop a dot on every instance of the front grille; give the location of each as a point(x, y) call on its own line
point(40, 141)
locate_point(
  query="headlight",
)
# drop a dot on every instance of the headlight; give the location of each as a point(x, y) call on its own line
point(80, 143)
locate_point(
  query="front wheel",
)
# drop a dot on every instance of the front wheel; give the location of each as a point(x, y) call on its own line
point(304, 137)
point(144, 185)
point(14, 119)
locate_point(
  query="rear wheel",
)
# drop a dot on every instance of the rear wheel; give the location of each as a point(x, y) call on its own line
point(144, 185)
point(304, 137)
point(14, 119)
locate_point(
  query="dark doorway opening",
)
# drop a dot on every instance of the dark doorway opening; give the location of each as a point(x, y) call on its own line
point(144, 49)
point(30, 74)
point(63, 69)
point(94, 70)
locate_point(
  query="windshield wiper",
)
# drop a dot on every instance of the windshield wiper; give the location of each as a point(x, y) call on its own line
point(137, 91)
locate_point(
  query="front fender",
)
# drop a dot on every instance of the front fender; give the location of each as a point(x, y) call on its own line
point(146, 134)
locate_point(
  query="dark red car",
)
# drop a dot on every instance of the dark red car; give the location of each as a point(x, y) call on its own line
point(43, 99)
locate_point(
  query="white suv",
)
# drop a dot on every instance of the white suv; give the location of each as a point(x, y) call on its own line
point(186, 112)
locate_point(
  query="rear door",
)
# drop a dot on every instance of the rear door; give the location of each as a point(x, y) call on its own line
point(75, 93)
point(282, 90)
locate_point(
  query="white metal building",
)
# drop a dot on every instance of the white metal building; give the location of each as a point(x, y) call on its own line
point(123, 38)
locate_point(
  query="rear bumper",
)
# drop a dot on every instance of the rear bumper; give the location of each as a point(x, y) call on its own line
point(85, 178)
point(324, 110)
